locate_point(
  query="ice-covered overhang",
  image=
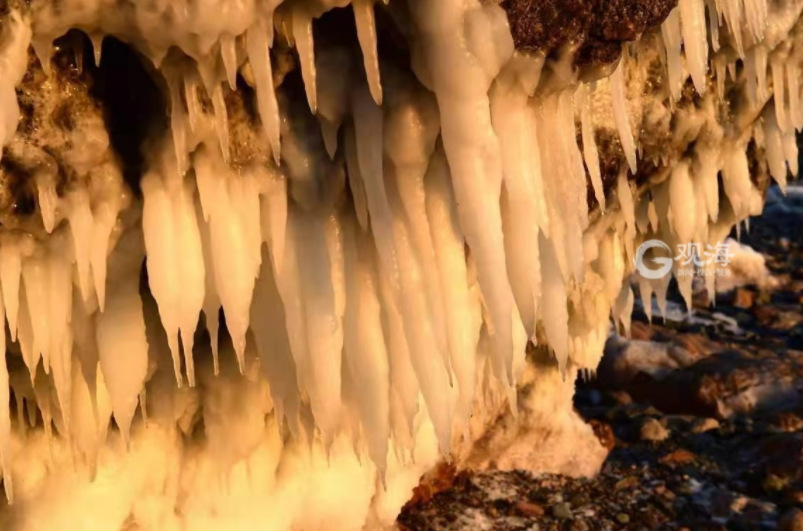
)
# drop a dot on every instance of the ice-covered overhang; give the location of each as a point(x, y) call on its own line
point(418, 219)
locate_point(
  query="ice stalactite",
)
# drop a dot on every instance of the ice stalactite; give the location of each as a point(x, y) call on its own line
point(14, 42)
point(259, 56)
point(5, 416)
point(366, 33)
point(672, 36)
point(460, 85)
point(175, 262)
point(373, 263)
point(121, 326)
point(590, 152)
point(695, 41)
point(621, 116)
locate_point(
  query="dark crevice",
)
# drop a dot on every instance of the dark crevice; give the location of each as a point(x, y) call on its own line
point(134, 107)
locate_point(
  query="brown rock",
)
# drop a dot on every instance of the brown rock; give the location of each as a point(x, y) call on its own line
point(791, 521)
point(744, 298)
point(530, 509)
point(679, 457)
point(604, 433)
point(652, 430)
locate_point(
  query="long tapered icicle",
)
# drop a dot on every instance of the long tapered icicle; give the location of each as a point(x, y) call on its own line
point(474, 156)
point(5, 414)
point(621, 116)
point(302, 33)
point(175, 264)
point(10, 275)
point(221, 121)
point(81, 221)
point(695, 41)
point(228, 52)
point(670, 30)
point(590, 153)
point(259, 55)
point(366, 33)
point(121, 327)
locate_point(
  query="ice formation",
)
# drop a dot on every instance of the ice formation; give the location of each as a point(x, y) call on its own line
point(289, 315)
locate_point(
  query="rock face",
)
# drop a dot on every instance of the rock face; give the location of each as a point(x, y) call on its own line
point(338, 242)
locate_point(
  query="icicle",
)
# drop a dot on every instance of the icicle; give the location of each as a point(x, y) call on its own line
point(35, 277)
point(365, 352)
point(623, 308)
point(105, 218)
point(756, 13)
point(778, 87)
point(121, 328)
point(178, 123)
point(590, 147)
point(43, 48)
point(621, 116)
point(10, 273)
point(682, 203)
point(708, 171)
point(355, 179)
point(81, 222)
point(732, 11)
point(302, 34)
point(48, 200)
point(5, 412)
point(447, 238)
point(60, 299)
point(329, 132)
point(97, 47)
point(553, 294)
point(425, 355)
point(221, 121)
point(259, 56)
point(211, 304)
point(274, 217)
point(235, 235)
point(273, 345)
point(228, 52)
point(695, 41)
point(670, 30)
point(713, 23)
point(366, 32)
point(719, 63)
point(774, 149)
point(175, 263)
point(13, 64)
point(790, 151)
point(368, 132)
point(739, 189)
point(793, 85)
point(760, 55)
point(324, 333)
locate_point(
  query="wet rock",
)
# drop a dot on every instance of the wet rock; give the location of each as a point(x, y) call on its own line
point(652, 430)
point(744, 298)
point(792, 520)
point(704, 425)
point(562, 511)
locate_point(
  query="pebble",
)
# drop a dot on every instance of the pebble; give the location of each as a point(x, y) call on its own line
point(562, 510)
point(652, 430)
point(622, 518)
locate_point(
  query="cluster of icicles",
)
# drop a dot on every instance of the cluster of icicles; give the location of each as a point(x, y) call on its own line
point(370, 267)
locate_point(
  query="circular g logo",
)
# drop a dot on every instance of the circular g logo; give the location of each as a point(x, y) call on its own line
point(664, 262)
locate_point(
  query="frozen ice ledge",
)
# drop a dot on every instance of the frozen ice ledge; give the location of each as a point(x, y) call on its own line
point(265, 263)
